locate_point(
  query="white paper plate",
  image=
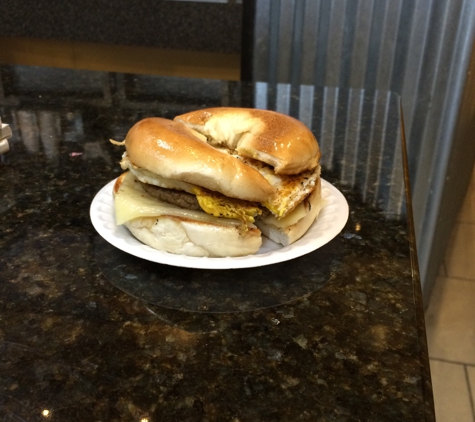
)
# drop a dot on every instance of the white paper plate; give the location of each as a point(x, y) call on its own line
point(330, 222)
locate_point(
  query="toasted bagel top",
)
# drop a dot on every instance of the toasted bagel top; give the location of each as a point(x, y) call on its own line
point(273, 138)
point(171, 149)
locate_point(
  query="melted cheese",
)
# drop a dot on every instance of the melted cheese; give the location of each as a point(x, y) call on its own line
point(131, 201)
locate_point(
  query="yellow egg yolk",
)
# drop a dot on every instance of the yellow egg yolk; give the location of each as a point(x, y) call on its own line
point(219, 205)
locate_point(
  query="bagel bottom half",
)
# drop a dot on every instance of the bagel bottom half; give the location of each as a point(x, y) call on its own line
point(172, 229)
point(176, 230)
point(194, 238)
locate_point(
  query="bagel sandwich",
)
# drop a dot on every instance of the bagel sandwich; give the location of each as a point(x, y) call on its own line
point(211, 182)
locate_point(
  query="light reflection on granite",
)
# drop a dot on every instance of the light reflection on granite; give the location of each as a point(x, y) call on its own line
point(348, 348)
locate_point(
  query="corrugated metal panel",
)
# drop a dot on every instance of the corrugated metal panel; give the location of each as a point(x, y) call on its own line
point(419, 49)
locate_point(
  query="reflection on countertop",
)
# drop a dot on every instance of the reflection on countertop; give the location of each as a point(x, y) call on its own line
point(358, 141)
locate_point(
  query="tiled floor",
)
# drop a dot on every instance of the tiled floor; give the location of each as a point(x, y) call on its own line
point(450, 321)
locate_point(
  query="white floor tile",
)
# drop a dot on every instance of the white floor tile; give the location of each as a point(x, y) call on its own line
point(451, 393)
point(467, 213)
point(442, 270)
point(460, 258)
point(471, 376)
point(450, 321)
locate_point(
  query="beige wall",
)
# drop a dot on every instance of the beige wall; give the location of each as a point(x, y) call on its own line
point(116, 58)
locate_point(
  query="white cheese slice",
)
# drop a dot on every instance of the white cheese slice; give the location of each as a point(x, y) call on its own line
point(297, 214)
point(131, 201)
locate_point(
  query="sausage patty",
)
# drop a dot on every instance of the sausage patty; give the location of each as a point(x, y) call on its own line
point(176, 197)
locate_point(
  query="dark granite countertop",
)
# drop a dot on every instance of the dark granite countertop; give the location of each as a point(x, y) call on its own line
point(90, 333)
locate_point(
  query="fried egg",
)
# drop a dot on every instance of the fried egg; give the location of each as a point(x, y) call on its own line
point(290, 190)
point(219, 205)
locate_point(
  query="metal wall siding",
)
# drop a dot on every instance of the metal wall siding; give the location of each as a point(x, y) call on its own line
point(336, 31)
point(309, 37)
point(388, 44)
point(418, 49)
point(305, 111)
point(328, 123)
point(450, 123)
point(360, 45)
point(352, 136)
point(261, 41)
point(285, 37)
point(297, 42)
point(374, 45)
point(347, 42)
point(321, 42)
point(430, 123)
point(402, 41)
point(411, 74)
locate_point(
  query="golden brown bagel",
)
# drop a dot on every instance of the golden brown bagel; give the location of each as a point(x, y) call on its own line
point(171, 150)
point(273, 138)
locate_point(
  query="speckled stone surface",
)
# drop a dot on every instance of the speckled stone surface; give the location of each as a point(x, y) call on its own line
point(196, 26)
point(82, 341)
